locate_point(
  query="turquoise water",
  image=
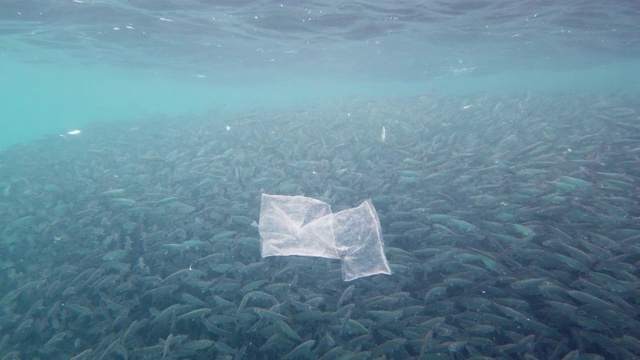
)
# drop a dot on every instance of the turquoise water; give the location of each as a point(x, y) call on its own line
point(47, 99)
point(63, 65)
point(498, 142)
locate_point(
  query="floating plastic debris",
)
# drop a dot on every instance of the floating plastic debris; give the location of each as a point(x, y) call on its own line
point(298, 225)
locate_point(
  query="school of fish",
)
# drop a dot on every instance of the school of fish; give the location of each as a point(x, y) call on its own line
point(511, 224)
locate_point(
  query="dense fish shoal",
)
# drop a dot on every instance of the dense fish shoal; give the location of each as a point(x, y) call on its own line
point(510, 223)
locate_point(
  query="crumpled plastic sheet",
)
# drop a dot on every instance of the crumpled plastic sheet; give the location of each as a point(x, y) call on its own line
point(303, 226)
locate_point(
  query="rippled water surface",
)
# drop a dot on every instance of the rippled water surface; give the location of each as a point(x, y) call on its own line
point(202, 36)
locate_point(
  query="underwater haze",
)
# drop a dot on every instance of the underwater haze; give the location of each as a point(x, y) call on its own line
point(63, 64)
point(496, 145)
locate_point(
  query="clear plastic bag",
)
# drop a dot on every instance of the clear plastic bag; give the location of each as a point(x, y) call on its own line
point(298, 225)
